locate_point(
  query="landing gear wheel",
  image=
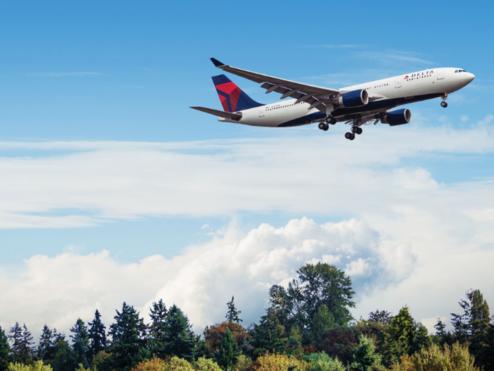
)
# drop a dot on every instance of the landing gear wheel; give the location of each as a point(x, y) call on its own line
point(444, 104)
point(357, 130)
point(331, 120)
point(323, 126)
point(350, 136)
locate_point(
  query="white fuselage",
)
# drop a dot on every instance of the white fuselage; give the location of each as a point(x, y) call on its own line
point(417, 86)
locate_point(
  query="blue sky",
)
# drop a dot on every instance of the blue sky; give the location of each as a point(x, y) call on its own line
point(82, 82)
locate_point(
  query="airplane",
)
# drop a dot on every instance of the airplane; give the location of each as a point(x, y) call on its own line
point(355, 105)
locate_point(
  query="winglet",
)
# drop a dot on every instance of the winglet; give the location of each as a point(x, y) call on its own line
point(217, 63)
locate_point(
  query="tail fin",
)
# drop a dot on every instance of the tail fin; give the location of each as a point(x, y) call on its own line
point(231, 96)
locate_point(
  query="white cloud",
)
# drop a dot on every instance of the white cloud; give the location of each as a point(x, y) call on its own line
point(412, 239)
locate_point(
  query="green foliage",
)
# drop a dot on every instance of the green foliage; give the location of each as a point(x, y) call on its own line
point(178, 364)
point(213, 336)
point(97, 335)
point(280, 362)
point(178, 339)
point(36, 366)
point(244, 363)
point(454, 358)
point(128, 334)
point(269, 335)
point(233, 314)
point(227, 351)
point(80, 343)
point(404, 336)
point(322, 362)
point(64, 358)
point(322, 322)
point(101, 361)
point(157, 330)
point(365, 357)
point(206, 364)
point(153, 364)
point(294, 342)
point(4, 350)
point(22, 344)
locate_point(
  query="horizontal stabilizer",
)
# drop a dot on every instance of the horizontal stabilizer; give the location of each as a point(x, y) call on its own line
point(234, 116)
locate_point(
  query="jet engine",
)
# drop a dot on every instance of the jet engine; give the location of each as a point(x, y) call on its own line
point(354, 98)
point(398, 117)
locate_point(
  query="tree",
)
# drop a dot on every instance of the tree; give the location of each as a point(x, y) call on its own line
point(227, 351)
point(80, 342)
point(178, 364)
point(153, 364)
point(157, 331)
point(213, 336)
point(381, 316)
point(294, 342)
point(64, 358)
point(22, 344)
point(455, 357)
point(97, 335)
point(269, 335)
point(178, 339)
point(128, 334)
point(322, 362)
point(279, 362)
point(404, 336)
point(340, 342)
point(4, 350)
point(365, 357)
point(322, 322)
point(473, 325)
point(233, 314)
point(206, 364)
point(36, 366)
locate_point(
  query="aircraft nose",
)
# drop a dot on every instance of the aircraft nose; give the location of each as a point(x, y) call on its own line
point(469, 77)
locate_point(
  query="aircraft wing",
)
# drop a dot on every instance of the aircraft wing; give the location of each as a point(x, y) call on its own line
point(315, 95)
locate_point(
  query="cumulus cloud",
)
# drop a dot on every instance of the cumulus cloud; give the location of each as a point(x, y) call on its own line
point(58, 289)
point(405, 236)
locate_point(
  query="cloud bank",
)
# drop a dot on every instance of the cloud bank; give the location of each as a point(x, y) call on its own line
point(403, 235)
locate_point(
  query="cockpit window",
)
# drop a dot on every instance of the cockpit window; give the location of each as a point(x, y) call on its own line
point(456, 71)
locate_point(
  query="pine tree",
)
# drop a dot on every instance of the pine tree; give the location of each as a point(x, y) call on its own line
point(128, 335)
point(97, 335)
point(178, 337)
point(80, 342)
point(64, 357)
point(365, 357)
point(22, 344)
point(269, 336)
point(322, 322)
point(46, 345)
point(233, 314)
point(4, 350)
point(157, 331)
point(227, 352)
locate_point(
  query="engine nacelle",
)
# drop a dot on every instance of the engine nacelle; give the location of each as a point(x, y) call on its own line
point(398, 117)
point(354, 98)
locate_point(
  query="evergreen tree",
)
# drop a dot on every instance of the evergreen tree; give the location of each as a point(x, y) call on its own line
point(97, 335)
point(128, 335)
point(157, 331)
point(365, 357)
point(64, 358)
point(80, 342)
point(227, 352)
point(473, 325)
point(404, 336)
point(322, 322)
point(178, 337)
point(233, 314)
point(381, 316)
point(46, 345)
point(294, 342)
point(4, 350)
point(22, 344)
point(269, 336)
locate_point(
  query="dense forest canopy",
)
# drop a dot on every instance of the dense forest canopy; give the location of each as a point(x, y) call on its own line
point(307, 326)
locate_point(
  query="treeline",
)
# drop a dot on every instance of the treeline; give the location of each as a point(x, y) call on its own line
point(307, 326)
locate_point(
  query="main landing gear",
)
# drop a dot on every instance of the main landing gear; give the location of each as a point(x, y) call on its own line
point(325, 124)
point(444, 104)
point(355, 130)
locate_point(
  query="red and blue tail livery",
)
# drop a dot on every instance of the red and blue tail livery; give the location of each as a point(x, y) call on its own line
point(232, 98)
